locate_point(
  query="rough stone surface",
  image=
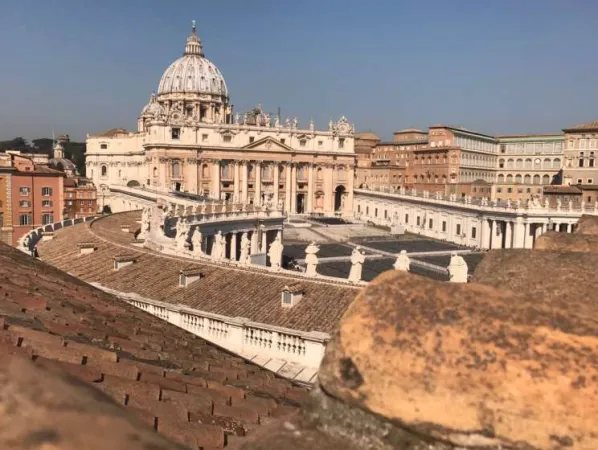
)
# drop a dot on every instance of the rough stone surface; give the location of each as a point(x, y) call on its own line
point(469, 364)
point(587, 225)
point(45, 409)
point(581, 243)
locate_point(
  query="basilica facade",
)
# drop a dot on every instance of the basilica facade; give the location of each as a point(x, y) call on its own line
point(189, 139)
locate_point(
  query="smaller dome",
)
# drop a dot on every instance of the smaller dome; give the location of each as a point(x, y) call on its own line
point(153, 108)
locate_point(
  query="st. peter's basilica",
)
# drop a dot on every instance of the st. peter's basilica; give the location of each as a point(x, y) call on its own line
point(189, 139)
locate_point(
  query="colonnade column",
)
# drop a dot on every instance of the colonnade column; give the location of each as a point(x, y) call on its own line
point(216, 179)
point(264, 243)
point(276, 184)
point(258, 184)
point(294, 188)
point(287, 188)
point(236, 182)
point(569, 228)
point(350, 182)
point(493, 234)
point(485, 238)
point(245, 182)
point(529, 241)
point(518, 233)
point(508, 234)
point(310, 188)
point(233, 246)
point(254, 241)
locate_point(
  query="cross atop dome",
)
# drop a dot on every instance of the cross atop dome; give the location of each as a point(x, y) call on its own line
point(194, 46)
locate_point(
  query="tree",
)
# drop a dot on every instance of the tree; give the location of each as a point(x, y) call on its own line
point(17, 143)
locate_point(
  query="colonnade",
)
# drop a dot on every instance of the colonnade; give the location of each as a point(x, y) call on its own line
point(260, 242)
point(518, 233)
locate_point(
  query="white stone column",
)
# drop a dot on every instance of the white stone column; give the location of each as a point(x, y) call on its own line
point(216, 179)
point(287, 188)
point(257, 200)
point(569, 228)
point(529, 240)
point(329, 191)
point(294, 188)
point(245, 182)
point(538, 232)
point(518, 233)
point(351, 185)
point(508, 234)
point(264, 241)
point(310, 188)
point(276, 184)
point(233, 246)
point(236, 182)
point(493, 240)
point(254, 241)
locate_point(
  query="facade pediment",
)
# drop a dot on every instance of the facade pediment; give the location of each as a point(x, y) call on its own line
point(268, 144)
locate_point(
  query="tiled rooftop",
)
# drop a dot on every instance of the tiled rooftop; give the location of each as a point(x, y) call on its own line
point(228, 291)
point(584, 126)
point(185, 388)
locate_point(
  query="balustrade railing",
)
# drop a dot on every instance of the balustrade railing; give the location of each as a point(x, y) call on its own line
point(237, 334)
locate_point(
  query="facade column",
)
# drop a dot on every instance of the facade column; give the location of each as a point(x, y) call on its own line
point(310, 189)
point(245, 182)
point(350, 183)
point(233, 246)
point(294, 188)
point(216, 179)
point(529, 241)
point(493, 234)
point(276, 184)
point(508, 234)
point(257, 200)
point(329, 191)
point(236, 182)
point(569, 228)
point(264, 242)
point(287, 189)
point(518, 233)
point(254, 241)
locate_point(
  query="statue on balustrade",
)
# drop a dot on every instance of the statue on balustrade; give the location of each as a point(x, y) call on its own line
point(146, 215)
point(457, 269)
point(357, 260)
point(558, 204)
point(311, 259)
point(277, 122)
point(219, 247)
point(196, 240)
point(245, 247)
point(402, 263)
point(182, 231)
point(275, 252)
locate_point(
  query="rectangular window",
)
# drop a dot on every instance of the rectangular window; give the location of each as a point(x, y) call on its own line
point(25, 219)
point(589, 199)
point(590, 181)
point(406, 219)
point(430, 224)
point(204, 137)
point(386, 214)
point(227, 138)
point(375, 212)
point(1, 220)
point(90, 203)
point(47, 219)
point(443, 226)
point(24, 191)
point(520, 190)
point(509, 190)
point(47, 203)
point(24, 204)
point(320, 144)
point(458, 229)
point(358, 208)
point(417, 220)
point(367, 210)
point(251, 139)
point(474, 232)
point(341, 143)
point(283, 140)
point(46, 191)
point(579, 181)
point(302, 142)
point(103, 146)
point(499, 189)
point(175, 133)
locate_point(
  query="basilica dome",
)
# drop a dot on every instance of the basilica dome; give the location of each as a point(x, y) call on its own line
point(193, 73)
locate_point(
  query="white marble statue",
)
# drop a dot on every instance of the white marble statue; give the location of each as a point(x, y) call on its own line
point(357, 260)
point(277, 122)
point(146, 217)
point(218, 247)
point(311, 259)
point(402, 263)
point(237, 119)
point(275, 252)
point(312, 125)
point(287, 122)
point(558, 204)
point(245, 119)
point(295, 123)
point(196, 240)
point(245, 249)
point(182, 230)
point(457, 269)
point(268, 120)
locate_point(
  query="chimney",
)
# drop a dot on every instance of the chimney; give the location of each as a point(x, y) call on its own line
point(47, 235)
point(86, 247)
point(291, 295)
point(121, 261)
point(188, 276)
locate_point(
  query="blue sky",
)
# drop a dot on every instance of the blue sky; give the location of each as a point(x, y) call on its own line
point(508, 66)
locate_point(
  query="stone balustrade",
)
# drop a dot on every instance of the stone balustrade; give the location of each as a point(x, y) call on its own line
point(252, 340)
point(28, 242)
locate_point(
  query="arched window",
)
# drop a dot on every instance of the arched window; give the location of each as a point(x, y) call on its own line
point(510, 163)
point(155, 172)
point(319, 174)
point(580, 159)
point(104, 171)
point(528, 163)
point(518, 178)
point(204, 171)
point(536, 179)
point(556, 163)
point(225, 171)
point(250, 172)
point(547, 164)
point(501, 163)
point(509, 179)
point(537, 163)
point(519, 164)
point(527, 179)
point(546, 179)
point(501, 179)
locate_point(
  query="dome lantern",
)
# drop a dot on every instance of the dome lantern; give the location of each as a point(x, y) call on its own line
point(193, 46)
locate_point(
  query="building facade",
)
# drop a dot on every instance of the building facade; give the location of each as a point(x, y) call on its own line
point(189, 139)
point(581, 151)
point(6, 171)
point(35, 195)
